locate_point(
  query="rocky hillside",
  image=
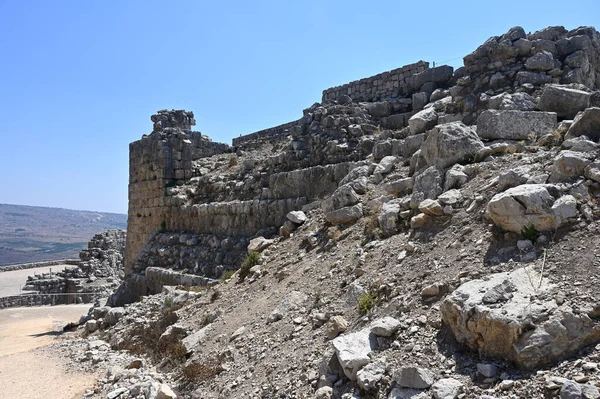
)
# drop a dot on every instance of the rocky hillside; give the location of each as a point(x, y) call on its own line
point(440, 241)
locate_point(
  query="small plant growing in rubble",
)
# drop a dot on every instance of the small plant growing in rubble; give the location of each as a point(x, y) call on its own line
point(250, 261)
point(530, 233)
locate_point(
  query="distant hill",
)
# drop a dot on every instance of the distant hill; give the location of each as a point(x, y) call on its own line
point(34, 234)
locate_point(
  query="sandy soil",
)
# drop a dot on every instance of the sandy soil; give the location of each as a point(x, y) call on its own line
point(26, 372)
point(10, 282)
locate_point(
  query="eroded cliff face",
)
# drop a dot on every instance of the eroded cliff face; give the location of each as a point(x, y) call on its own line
point(405, 209)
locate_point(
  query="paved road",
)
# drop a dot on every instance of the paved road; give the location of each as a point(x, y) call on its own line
point(10, 281)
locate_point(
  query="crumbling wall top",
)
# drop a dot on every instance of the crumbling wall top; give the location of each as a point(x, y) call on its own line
point(176, 118)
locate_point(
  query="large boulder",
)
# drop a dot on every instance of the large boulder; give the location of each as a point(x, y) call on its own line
point(441, 75)
point(343, 196)
point(348, 214)
point(542, 61)
point(515, 125)
point(497, 318)
point(563, 100)
point(517, 101)
point(353, 350)
point(527, 205)
point(569, 165)
point(451, 143)
point(586, 123)
point(423, 121)
point(427, 185)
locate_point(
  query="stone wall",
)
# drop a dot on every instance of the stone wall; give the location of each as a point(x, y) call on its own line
point(157, 162)
point(394, 83)
point(264, 135)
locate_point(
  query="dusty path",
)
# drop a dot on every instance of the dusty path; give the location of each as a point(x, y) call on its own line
point(27, 372)
point(10, 282)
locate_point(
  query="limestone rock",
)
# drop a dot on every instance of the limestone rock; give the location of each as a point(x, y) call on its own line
point(497, 318)
point(379, 109)
point(385, 327)
point(592, 171)
point(427, 185)
point(368, 377)
point(446, 388)
point(568, 165)
point(337, 325)
point(259, 244)
point(348, 214)
point(586, 124)
point(400, 186)
point(451, 197)
point(297, 217)
point(353, 351)
point(165, 392)
point(516, 101)
point(113, 316)
point(342, 197)
point(414, 377)
point(451, 143)
point(528, 205)
point(515, 125)
point(563, 100)
point(431, 207)
point(388, 217)
point(419, 221)
point(423, 121)
point(542, 61)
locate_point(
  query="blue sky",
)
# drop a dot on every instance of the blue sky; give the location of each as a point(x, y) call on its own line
point(80, 79)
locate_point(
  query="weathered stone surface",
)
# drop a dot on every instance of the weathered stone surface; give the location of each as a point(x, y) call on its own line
point(563, 100)
point(451, 143)
point(342, 197)
point(368, 377)
point(568, 165)
point(427, 185)
point(528, 205)
point(259, 244)
point(407, 393)
point(379, 109)
point(297, 217)
point(431, 207)
point(353, 351)
point(586, 124)
point(446, 388)
point(388, 217)
point(496, 318)
point(336, 326)
point(592, 171)
point(423, 121)
point(165, 392)
point(542, 61)
point(515, 125)
point(400, 186)
point(516, 101)
point(113, 316)
point(348, 214)
point(414, 377)
point(385, 327)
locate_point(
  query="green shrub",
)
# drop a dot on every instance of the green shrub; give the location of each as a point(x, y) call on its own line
point(168, 302)
point(366, 302)
point(226, 275)
point(530, 233)
point(163, 226)
point(250, 261)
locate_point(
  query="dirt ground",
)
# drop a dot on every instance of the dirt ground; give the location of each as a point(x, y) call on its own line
point(11, 282)
point(25, 370)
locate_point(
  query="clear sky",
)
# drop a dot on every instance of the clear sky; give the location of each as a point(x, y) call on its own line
point(80, 79)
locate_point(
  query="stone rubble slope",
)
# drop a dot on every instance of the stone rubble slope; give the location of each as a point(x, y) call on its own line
point(442, 242)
